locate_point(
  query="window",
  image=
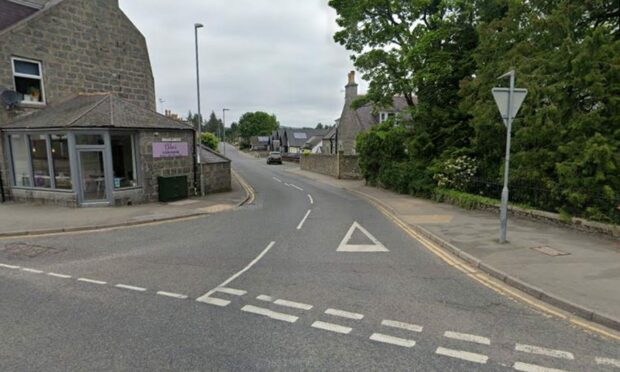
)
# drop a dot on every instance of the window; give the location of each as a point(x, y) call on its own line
point(28, 81)
point(123, 161)
point(60, 161)
point(40, 164)
point(19, 153)
point(89, 139)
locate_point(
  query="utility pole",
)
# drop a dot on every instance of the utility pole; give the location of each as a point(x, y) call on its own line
point(199, 130)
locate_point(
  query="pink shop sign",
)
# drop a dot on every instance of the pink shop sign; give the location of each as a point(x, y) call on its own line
point(169, 149)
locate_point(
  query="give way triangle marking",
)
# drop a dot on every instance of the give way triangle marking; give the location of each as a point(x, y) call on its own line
point(376, 245)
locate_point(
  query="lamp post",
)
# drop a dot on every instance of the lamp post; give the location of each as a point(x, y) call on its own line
point(199, 131)
point(224, 128)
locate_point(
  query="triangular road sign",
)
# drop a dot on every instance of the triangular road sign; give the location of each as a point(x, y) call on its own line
point(501, 99)
point(375, 245)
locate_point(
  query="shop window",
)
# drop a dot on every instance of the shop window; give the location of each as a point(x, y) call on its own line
point(40, 164)
point(60, 161)
point(89, 139)
point(19, 154)
point(28, 81)
point(124, 161)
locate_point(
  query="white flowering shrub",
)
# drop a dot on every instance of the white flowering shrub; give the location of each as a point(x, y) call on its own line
point(456, 173)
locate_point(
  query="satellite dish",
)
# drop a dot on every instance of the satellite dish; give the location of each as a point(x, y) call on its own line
point(9, 98)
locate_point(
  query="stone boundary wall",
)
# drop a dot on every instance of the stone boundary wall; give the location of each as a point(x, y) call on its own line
point(216, 177)
point(339, 166)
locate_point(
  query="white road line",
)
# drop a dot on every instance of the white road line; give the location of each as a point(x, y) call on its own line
point(232, 291)
point(401, 325)
point(293, 304)
point(235, 276)
point(297, 187)
point(311, 200)
point(277, 179)
point(286, 184)
point(264, 298)
point(34, 271)
point(464, 355)
point(173, 295)
point(344, 314)
point(607, 362)
point(467, 337)
point(130, 287)
point(63, 276)
point(92, 281)
point(304, 219)
point(379, 337)
point(214, 301)
point(525, 367)
point(544, 351)
point(331, 327)
point(9, 266)
point(270, 314)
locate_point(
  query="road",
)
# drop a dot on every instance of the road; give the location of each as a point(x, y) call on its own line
point(280, 284)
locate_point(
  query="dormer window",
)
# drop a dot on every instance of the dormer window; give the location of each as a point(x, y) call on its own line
point(383, 116)
point(28, 79)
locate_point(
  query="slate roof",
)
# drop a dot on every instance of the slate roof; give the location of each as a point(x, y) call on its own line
point(210, 157)
point(313, 141)
point(11, 13)
point(299, 141)
point(367, 118)
point(103, 110)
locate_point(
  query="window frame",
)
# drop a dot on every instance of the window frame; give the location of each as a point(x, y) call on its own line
point(28, 76)
point(134, 154)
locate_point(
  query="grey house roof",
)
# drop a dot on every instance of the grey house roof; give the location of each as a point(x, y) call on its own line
point(11, 13)
point(366, 114)
point(297, 137)
point(103, 110)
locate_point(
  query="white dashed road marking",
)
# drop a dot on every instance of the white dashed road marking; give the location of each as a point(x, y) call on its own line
point(467, 337)
point(235, 276)
point(63, 276)
point(277, 179)
point(34, 271)
point(401, 325)
point(331, 327)
point(130, 287)
point(464, 355)
point(344, 314)
point(293, 304)
point(264, 298)
point(297, 187)
point(9, 266)
point(214, 301)
point(172, 295)
point(392, 340)
point(607, 362)
point(311, 200)
point(544, 351)
point(91, 281)
point(303, 219)
point(269, 313)
point(232, 291)
point(525, 367)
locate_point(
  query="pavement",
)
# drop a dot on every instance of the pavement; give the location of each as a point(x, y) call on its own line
point(307, 276)
point(577, 271)
point(27, 219)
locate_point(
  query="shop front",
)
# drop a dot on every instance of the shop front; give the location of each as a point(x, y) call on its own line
point(95, 150)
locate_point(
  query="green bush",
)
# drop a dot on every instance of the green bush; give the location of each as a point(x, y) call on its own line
point(210, 140)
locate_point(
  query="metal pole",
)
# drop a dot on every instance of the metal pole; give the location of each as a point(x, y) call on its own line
point(503, 215)
point(199, 131)
point(224, 128)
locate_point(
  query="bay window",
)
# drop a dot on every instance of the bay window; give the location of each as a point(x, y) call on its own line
point(40, 161)
point(21, 160)
point(60, 161)
point(123, 161)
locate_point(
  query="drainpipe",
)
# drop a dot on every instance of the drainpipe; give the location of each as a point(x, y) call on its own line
point(2, 199)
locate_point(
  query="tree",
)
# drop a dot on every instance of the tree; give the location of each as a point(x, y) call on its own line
point(257, 124)
point(210, 140)
point(319, 126)
point(214, 125)
point(233, 132)
point(193, 119)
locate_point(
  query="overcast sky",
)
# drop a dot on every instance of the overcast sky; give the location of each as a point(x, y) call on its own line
point(276, 56)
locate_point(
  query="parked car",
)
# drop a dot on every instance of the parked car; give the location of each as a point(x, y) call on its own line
point(274, 157)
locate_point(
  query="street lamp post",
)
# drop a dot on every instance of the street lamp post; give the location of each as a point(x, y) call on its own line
point(199, 129)
point(224, 128)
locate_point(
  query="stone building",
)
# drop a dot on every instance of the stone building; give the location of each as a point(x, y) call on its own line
point(353, 121)
point(77, 108)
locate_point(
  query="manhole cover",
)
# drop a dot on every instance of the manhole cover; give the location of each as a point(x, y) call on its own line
point(550, 251)
point(29, 250)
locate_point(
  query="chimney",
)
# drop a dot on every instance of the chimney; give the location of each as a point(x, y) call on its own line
point(351, 88)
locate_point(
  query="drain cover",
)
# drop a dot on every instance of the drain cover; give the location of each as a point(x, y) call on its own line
point(550, 251)
point(29, 250)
